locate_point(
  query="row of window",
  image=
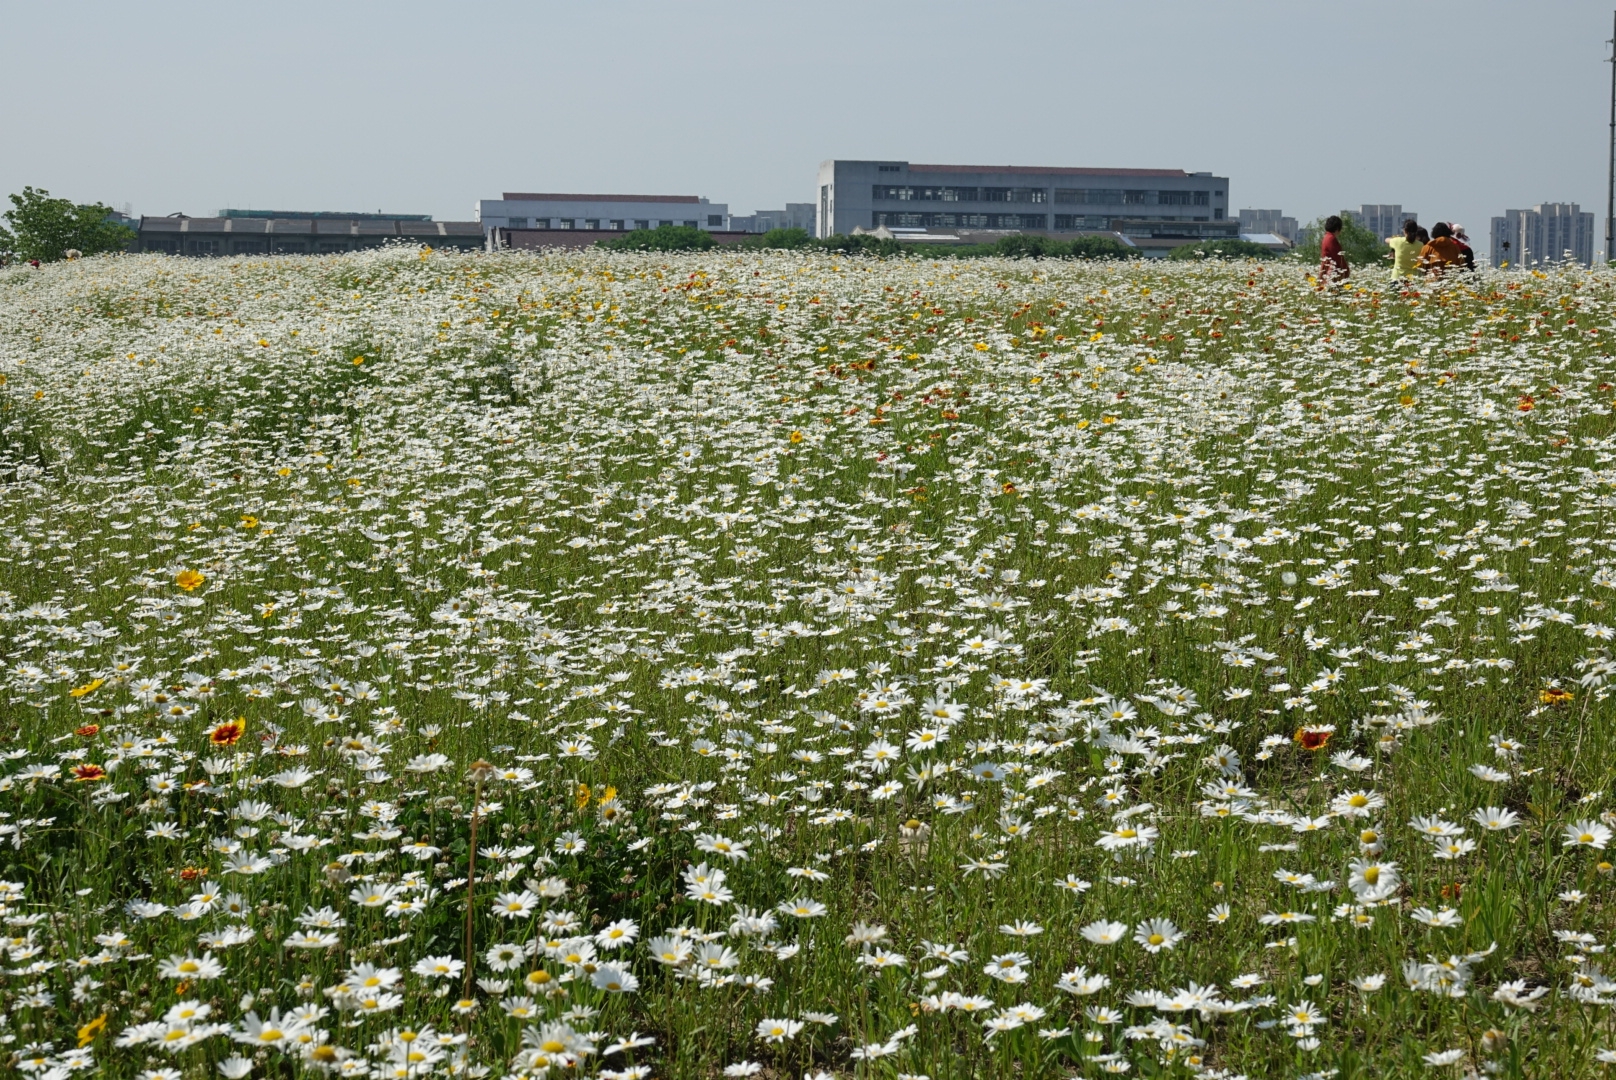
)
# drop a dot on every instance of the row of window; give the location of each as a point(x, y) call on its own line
point(714, 221)
point(1062, 222)
point(259, 246)
point(1080, 196)
point(912, 220)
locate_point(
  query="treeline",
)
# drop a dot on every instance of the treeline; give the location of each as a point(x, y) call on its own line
point(1013, 246)
point(684, 238)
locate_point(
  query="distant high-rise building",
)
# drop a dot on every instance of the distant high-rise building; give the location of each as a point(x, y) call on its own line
point(1382, 219)
point(1268, 221)
point(794, 216)
point(1547, 233)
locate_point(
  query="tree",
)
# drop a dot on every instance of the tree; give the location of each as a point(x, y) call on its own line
point(1100, 247)
point(46, 229)
point(661, 238)
point(789, 239)
point(1224, 248)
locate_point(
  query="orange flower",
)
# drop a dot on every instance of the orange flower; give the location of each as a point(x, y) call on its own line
point(228, 733)
point(1313, 738)
point(1527, 404)
point(1554, 695)
point(85, 773)
point(189, 579)
point(88, 731)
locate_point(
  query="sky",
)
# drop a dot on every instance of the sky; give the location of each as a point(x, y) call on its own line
point(1457, 109)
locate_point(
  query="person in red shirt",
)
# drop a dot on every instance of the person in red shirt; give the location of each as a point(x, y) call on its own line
point(1332, 260)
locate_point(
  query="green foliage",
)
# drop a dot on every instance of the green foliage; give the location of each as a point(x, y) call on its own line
point(1032, 246)
point(786, 239)
point(861, 245)
point(661, 238)
point(1222, 249)
point(1361, 246)
point(46, 229)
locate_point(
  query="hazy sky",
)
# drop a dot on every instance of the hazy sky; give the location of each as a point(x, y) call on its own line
point(1454, 108)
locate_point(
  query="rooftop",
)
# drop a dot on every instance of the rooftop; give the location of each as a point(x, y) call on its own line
point(522, 196)
point(1030, 170)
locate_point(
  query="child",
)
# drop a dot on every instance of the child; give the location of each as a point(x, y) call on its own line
point(1332, 261)
point(1405, 251)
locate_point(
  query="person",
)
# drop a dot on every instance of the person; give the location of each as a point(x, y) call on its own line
point(1467, 256)
point(1405, 251)
point(1423, 237)
point(1441, 253)
point(1332, 260)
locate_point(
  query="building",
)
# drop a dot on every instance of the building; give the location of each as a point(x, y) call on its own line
point(247, 233)
point(799, 215)
point(1268, 222)
point(525, 210)
point(1010, 198)
point(1547, 233)
point(1382, 219)
point(503, 239)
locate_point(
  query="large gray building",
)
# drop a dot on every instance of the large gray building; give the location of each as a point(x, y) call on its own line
point(1012, 198)
point(538, 210)
point(283, 232)
point(1547, 233)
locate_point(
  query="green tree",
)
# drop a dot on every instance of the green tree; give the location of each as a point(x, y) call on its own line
point(789, 239)
point(661, 238)
point(1361, 246)
point(1100, 247)
point(1225, 248)
point(43, 228)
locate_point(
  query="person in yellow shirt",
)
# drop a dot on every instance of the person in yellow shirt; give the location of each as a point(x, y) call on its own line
point(1405, 251)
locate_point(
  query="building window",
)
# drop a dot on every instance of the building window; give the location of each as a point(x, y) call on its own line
point(1217, 213)
point(688, 224)
point(203, 247)
point(564, 223)
point(1138, 198)
point(1017, 221)
point(1203, 198)
point(889, 168)
point(615, 226)
point(1066, 222)
point(591, 223)
point(518, 222)
point(642, 223)
point(1173, 198)
point(715, 221)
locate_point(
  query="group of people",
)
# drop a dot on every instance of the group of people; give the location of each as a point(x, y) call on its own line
point(1415, 252)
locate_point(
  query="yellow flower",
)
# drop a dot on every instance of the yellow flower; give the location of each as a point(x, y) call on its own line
point(189, 579)
point(581, 796)
point(796, 436)
point(981, 346)
point(89, 1031)
point(88, 688)
point(248, 521)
